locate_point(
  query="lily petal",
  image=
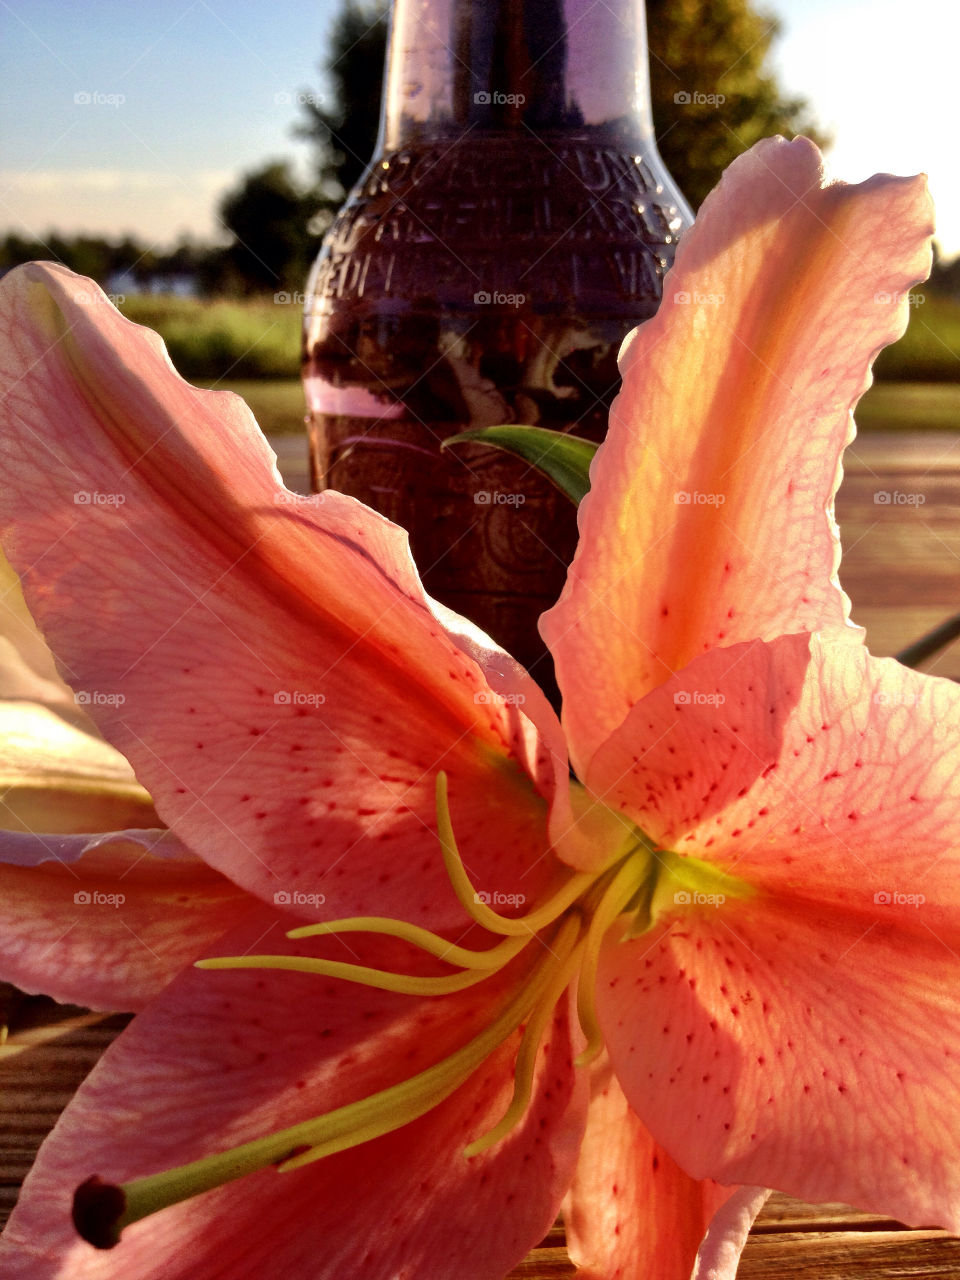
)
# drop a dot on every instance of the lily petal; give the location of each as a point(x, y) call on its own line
point(27, 668)
point(708, 520)
point(632, 1212)
point(255, 593)
point(792, 1036)
point(107, 921)
point(822, 772)
point(719, 1254)
point(701, 740)
point(56, 772)
point(288, 1047)
point(776, 1043)
point(56, 776)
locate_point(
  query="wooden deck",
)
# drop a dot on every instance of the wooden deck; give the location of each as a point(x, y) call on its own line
point(51, 1049)
point(902, 570)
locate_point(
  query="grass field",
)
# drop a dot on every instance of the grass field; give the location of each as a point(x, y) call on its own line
point(260, 338)
point(930, 349)
point(910, 406)
point(224, 339)
point(253, 348)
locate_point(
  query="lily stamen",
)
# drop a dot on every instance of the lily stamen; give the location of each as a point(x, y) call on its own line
point(102, 1209)
point(569, 928)
point(405, 983)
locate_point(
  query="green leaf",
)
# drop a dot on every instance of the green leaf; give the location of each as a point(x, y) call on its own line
point(563, 459)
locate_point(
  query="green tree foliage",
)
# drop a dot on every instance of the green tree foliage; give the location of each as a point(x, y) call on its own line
point(344, 130)
point(699, 49)
point(268, 216)
point(103, 258)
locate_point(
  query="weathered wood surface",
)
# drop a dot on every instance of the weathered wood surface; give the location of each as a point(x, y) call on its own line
point(901, 568)
point(51, 1049)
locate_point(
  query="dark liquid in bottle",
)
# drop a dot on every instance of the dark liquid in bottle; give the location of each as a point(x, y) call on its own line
point(486, 281)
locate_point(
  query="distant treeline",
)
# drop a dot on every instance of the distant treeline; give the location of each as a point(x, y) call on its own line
point(229, 321)
point(126, 265)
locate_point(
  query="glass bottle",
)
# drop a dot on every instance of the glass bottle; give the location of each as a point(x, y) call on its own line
point(514, 224)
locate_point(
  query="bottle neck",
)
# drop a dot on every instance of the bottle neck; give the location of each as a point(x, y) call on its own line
point(518, 66)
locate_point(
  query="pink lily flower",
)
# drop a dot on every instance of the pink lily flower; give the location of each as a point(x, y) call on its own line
point(741, 921)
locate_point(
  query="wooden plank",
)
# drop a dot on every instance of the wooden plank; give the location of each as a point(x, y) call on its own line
point(52, 1048)
point(782, 1214)
point(850, 1255)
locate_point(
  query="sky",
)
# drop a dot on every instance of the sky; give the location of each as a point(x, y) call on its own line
point(120, 117)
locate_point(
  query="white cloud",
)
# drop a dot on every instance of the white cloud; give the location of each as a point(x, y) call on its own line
point(157, 206)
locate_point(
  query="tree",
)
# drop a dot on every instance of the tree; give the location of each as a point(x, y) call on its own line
point(699, 49)
point(268, 216)
point(345, 132)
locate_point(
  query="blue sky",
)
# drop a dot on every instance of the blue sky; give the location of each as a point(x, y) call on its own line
point(183, 95)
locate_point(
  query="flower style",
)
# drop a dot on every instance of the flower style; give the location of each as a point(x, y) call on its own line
point(727, 954)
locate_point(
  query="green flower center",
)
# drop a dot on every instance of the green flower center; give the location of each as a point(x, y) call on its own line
point(563, 937)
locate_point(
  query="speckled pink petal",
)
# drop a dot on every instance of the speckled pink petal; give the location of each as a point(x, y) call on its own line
point(709, 517)
point(632, 1213)
point(808, 1037)
point(269, 664)
point(784, 1043)
point(224, 1057)
point(107, 920)
point(701, 740)
point(823, 773)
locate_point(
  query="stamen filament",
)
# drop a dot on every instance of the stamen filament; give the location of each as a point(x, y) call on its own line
point(471, 1055)
point(535, 920)
point(338, 1130)
point(526, 1062)
point(383, 980)
point(614, 901)
point(432, 943)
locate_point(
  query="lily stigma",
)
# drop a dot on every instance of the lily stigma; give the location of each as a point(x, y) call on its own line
point(564, 933)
